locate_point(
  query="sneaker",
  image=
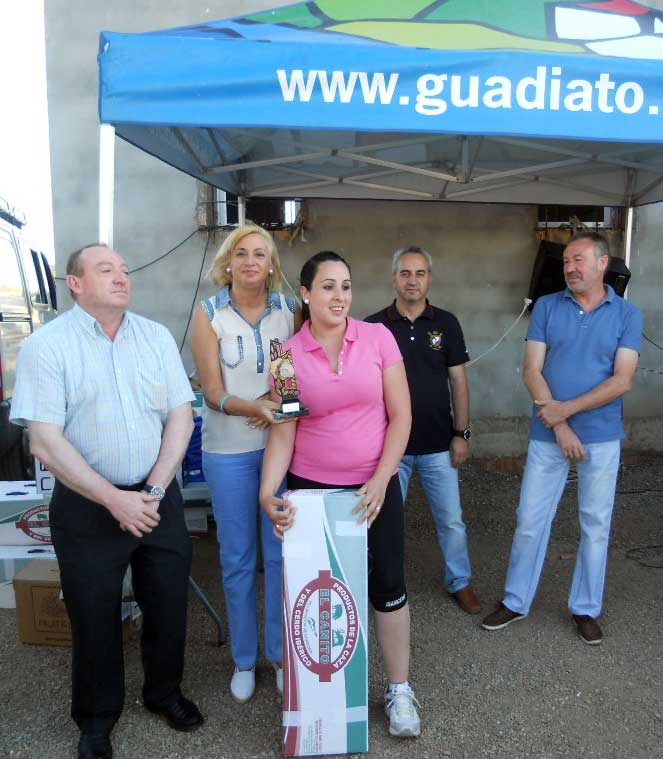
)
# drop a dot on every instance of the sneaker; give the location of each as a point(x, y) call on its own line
point(278, 671)
point(401, 708)
point(588, 629)
point(243, 684)
point(501, 617)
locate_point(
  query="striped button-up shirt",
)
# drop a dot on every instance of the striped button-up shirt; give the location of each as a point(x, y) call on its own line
point(111, 397)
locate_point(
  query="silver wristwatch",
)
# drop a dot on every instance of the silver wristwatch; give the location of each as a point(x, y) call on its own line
point(155, 491)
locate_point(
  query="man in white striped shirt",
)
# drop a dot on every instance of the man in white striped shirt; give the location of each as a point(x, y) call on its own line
point(107, 403)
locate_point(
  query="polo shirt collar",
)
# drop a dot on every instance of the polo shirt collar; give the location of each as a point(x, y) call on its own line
point(223, 298)
point(608, 298)
point(394, 315)
point(309, 343)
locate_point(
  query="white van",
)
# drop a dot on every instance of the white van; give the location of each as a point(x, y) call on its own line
point(27, 301)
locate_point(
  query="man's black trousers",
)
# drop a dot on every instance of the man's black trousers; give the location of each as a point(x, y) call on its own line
point(94, 553)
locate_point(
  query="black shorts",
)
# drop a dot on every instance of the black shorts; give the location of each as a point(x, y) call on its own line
point(386, 551)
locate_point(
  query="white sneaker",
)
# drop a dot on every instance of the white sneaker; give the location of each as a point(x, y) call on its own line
point(401, 708)
point(243, 684)
point(278, 671)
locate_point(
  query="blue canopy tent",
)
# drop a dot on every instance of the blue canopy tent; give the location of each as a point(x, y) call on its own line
point(522, 101)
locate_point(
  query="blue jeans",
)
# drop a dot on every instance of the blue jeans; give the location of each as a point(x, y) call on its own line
point(440, 483)
point(234, 480)
point(545, 476)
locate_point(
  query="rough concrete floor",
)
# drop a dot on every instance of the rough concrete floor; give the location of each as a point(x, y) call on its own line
point(531, 690)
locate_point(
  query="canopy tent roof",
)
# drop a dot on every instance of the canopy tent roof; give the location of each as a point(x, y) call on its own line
point(524, 101)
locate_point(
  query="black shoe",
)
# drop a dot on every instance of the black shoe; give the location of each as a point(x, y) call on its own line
point(181, 714)
point(95, 746)
point(588, 629)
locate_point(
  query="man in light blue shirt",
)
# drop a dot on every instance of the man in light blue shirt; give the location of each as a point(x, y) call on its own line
point(582, 355)
point(107, 404)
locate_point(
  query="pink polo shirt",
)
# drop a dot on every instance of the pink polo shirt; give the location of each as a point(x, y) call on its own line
point(341, 441)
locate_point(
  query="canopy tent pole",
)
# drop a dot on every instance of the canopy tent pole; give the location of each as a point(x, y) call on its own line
point(628, 238)
point(106, 182)
point(241, 210)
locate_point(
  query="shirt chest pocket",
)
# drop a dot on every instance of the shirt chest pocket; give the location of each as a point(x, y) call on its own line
point(156, 397)
point(231, 351)
point(153, 394)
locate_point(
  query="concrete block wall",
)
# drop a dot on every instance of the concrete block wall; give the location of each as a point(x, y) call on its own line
point(643, 408)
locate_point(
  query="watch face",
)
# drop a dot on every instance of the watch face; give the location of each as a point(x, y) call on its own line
point(155, 491)
point(467, 434)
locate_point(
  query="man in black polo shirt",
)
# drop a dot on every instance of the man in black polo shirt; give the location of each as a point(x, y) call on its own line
point(433, 348)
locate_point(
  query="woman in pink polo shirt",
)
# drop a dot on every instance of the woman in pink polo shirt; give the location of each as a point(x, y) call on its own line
point(351, 377)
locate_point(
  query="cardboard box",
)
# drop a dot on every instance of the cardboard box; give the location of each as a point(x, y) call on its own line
point(19, 490)
point(24, 522)
point(325, 604)
point(40, 611)
point(8, 569)
point(12, 561)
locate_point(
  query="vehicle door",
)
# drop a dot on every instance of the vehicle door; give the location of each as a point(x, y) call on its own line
point(15, 316)
point(37, 285)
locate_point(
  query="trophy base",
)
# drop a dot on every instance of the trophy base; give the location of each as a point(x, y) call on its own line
point(293, 414)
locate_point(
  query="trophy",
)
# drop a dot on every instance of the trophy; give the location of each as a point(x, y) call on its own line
point(283, 370)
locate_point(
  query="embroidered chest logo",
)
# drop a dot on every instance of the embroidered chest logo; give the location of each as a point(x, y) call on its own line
point(435, 340)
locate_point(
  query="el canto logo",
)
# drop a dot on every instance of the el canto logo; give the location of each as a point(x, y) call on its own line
point(325, 626)
point(35, 524)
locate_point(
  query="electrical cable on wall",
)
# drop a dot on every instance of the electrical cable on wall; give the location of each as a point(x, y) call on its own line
point(649, 340)
point(172, 250)
point(160, 258)
point(195, 294)
point(526, 302)
point(644, 369)
point(294, 294)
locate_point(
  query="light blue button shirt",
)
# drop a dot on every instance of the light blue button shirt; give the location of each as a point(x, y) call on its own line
point(111, 397)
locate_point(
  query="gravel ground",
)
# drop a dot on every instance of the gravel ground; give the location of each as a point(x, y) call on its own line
point(531, 690)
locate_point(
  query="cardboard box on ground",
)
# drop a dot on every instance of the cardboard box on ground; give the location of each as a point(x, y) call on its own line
point(40, 611)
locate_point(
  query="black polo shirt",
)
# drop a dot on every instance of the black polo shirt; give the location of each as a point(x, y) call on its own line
point(430, 345)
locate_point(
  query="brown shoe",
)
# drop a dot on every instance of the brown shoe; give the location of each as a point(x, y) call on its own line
point(467, 599)
point(501, 617)
point(588, 629)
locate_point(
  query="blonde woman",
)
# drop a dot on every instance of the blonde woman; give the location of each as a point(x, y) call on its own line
point(230, 345)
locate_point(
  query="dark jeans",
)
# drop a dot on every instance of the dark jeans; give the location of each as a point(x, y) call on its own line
point(94, 553)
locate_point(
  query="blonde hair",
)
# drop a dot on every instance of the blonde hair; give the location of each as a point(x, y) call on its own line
point(217, 271)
